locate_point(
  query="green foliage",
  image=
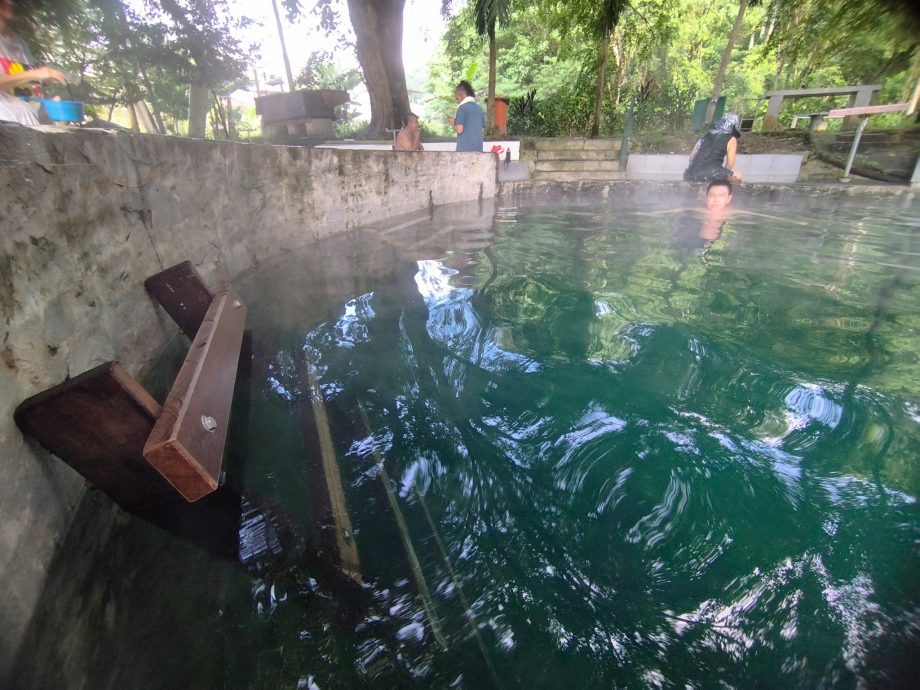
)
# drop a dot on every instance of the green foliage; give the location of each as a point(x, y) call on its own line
point(666, 53)
point(837, 42)
point(117, 54)
point(321, 72)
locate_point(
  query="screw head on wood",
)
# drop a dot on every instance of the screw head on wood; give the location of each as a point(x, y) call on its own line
point(209, 423)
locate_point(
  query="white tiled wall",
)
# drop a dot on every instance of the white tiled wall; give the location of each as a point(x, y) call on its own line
point(759, 167)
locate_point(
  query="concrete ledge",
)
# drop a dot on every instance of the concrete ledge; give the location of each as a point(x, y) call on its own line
point(650, 191)
point(576, 144)
point(760, 167)
point(500, 147)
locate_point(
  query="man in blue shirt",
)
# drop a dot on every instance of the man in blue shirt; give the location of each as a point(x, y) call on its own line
point(470, 120)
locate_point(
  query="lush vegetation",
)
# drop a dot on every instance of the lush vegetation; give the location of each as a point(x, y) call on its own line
point(144, 57)
point(569, 68)
point(666, 54)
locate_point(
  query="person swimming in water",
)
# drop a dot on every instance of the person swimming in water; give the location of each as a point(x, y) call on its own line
point(699, 228)
point(713, 157)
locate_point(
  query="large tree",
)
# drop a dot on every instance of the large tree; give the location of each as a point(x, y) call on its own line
point(378, 27)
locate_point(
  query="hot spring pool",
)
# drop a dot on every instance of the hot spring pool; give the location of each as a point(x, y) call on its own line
point(624, 456)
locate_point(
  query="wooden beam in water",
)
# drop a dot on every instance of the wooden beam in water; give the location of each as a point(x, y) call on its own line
point(334, 533)
point(183, 294)
point(97, 423)
point(187, 442)
point(181, 291)
point(414, 565)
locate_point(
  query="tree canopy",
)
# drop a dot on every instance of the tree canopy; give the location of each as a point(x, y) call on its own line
point(117, 54)
point(569, 68)
point(667, 54)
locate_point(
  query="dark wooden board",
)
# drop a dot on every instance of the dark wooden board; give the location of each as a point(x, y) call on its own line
point(98, 423)
point(183, 294)
point(180, 447)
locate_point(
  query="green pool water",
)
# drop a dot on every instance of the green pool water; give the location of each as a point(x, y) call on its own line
point(623, 455)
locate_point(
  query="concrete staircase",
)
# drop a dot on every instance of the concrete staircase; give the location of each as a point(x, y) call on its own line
point(577, 159)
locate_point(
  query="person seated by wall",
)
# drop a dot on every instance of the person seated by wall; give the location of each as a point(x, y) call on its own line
point(713, 157)
point(18, 70)
point(410, 136)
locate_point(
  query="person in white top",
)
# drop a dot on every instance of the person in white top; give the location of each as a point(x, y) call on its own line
point(17, 69)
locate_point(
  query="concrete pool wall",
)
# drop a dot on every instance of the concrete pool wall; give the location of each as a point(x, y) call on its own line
point(87, 215)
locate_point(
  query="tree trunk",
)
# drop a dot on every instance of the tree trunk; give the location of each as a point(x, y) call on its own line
point(231, 125)
point(284, 53)
point(726, 58)
point(198, 107)
point(112, 106)
point(490, 103)
point(157, 117)
point(143, 118)
point(911, 93)
point(219, 119)
point(601, 77)
point(378, 26)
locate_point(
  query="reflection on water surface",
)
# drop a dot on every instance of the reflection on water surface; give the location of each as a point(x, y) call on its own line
point(619, 457)
point(626, 458)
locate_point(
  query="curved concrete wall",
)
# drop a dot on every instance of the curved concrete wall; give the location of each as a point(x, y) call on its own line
point(86, 216)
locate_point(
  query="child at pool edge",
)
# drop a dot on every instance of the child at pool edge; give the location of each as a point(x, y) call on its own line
point(16, 69)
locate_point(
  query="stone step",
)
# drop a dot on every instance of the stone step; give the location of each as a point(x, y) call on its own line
point(575, 166)
point(570, 155)
point(576, 176)
point(577, 144)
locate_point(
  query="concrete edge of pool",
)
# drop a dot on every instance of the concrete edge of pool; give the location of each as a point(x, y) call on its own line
point(603, 188)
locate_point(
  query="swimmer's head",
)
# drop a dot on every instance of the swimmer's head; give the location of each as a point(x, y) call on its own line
point(718, 194)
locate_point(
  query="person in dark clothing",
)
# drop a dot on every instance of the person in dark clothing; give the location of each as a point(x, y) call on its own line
point(713, 157)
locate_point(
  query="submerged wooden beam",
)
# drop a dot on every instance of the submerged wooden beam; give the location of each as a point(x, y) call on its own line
point(97, 423)
point(183, 294)
point(187, 442)
point(334, 533)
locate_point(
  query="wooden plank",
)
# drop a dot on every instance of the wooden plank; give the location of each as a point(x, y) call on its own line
point(97, 423)
point(183, 294)
point(187, 442)
point(825, 91)
point(868, 110)
point(332, 524)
